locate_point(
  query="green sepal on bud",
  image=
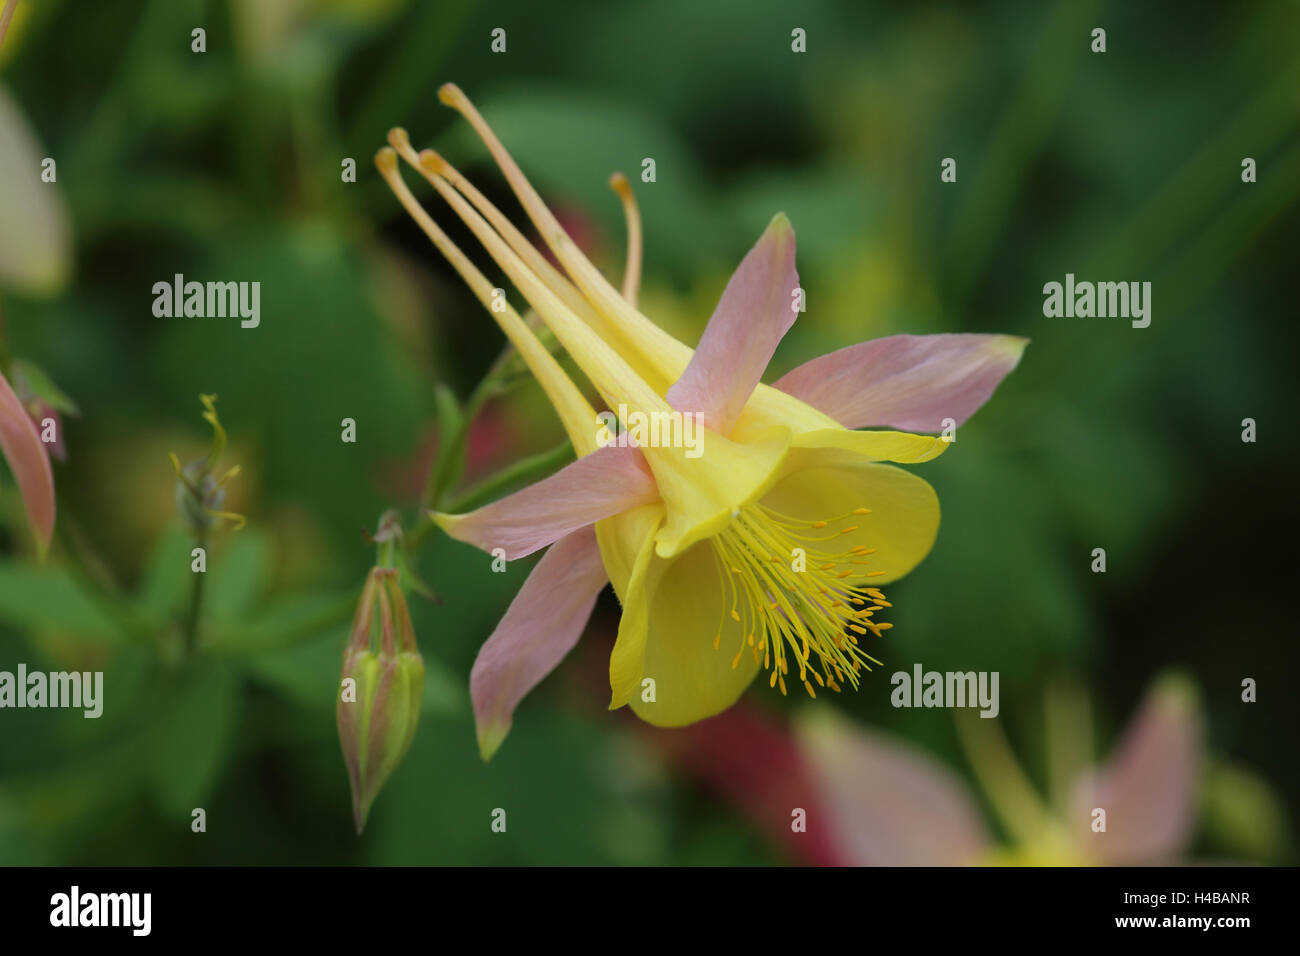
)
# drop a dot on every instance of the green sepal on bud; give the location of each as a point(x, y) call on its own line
point(381, 690)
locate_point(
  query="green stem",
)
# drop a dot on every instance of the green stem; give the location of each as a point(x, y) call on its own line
point(451, 448)
point(1003, 779)
point(450, 463)
point(196, 603)
point(452, 443)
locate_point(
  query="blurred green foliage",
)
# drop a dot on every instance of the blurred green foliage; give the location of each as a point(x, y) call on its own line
point(226, 165)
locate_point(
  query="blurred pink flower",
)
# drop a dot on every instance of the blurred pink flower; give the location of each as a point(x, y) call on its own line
point(873, 800)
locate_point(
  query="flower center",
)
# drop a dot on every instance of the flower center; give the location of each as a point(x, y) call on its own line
point(793, 595)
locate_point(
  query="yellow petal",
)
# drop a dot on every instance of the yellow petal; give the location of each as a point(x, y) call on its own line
point(875, 445)
point(702, 494)
point(629, 561)
point(671, 619)
point(672, 605)
point(622, 538)
point(904, 510)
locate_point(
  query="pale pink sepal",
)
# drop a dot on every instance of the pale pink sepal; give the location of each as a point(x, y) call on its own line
point(909, 382)
point(1149, 787)
point(541, 626)
point(890, 805)
point(28, 460)
point(756, 310)
point(604, 483)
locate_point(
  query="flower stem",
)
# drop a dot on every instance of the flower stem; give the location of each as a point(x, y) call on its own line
point(450, 462)
point(444, 473)
point(451, 448)
point(1002, 778)
point(196, 603)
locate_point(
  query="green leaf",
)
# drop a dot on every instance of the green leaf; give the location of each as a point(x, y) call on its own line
point(453, 447)
point(166, 579)
point(49, 599)
point(308, 674)
point(284, 622)
point(42, 386)
point(445, 695)
point(238, 576)
point(191, 740)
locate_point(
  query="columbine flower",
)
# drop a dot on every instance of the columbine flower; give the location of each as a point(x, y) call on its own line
point(23, 449)
point(379, 711)
point(872, 799)
point(764, 553)
point(891, 805)
point(199, 492)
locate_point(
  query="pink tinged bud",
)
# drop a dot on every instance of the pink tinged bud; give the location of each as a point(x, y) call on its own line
point(380, 690)
point(21, 447)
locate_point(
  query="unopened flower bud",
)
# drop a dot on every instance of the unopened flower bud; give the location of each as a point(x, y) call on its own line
point(379, 704)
